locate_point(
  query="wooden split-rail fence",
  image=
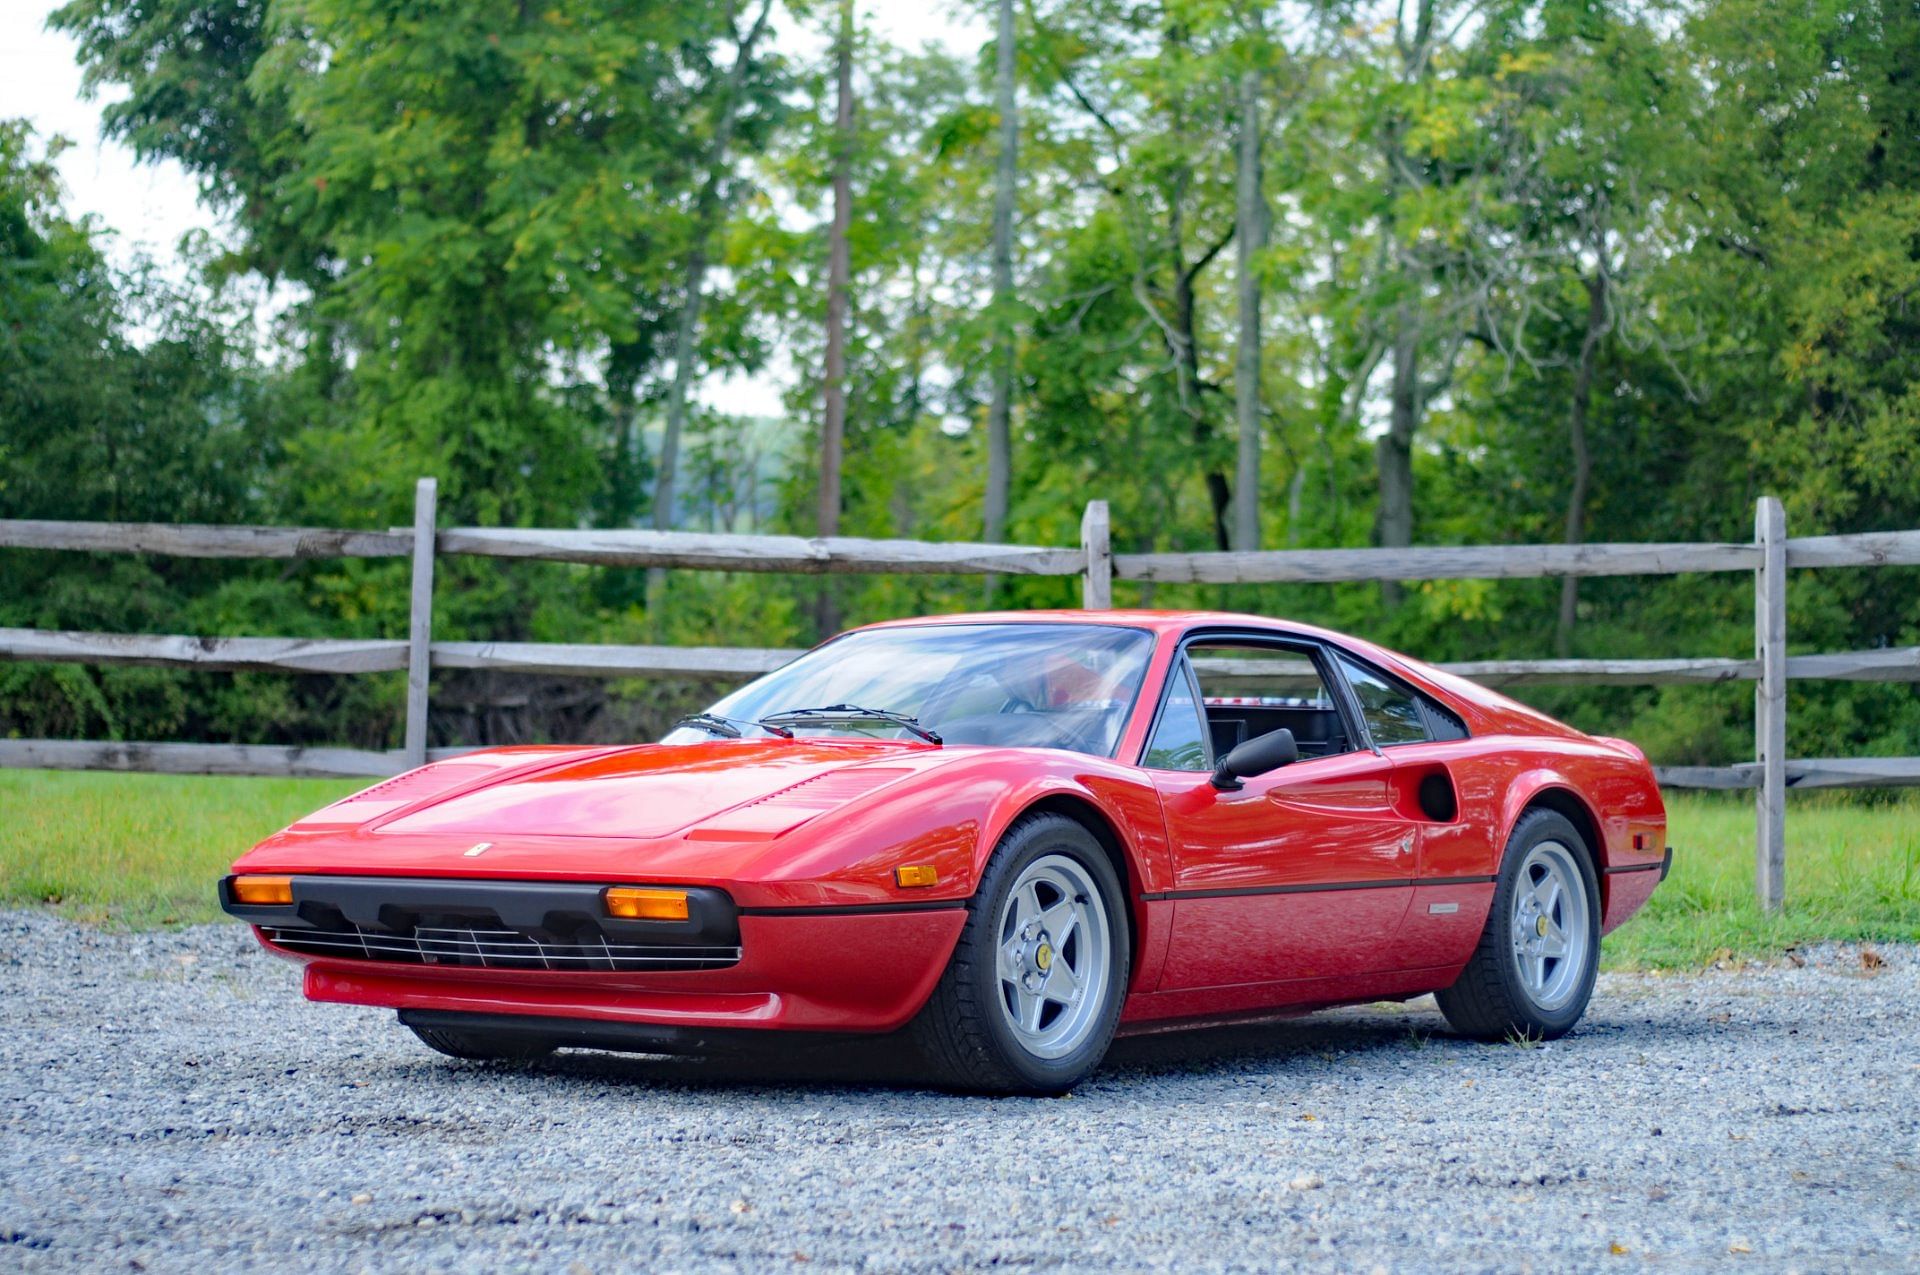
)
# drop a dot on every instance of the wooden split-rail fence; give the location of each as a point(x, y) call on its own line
point(1768, 557)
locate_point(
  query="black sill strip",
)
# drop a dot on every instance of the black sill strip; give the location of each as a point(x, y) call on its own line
point(1316, 887)
point(860, 909)
point(1635, 867)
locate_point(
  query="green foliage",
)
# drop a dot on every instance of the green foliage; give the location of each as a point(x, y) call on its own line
point(483, 215)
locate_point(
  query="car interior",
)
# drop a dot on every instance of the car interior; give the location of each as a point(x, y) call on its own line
point(1250, 690)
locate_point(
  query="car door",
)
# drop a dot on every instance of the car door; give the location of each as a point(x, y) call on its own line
point(1304, 872)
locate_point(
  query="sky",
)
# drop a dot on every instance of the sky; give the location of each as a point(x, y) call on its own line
point(149, 207)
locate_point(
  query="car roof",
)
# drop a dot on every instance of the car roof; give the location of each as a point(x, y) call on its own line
point(1154, 621)
point(1489, 709)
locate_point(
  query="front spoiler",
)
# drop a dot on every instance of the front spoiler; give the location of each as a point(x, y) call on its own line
point(618, 1037)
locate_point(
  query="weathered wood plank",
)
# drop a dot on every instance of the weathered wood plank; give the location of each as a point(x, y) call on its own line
point(1770, 702)
point(1894, 664)
point(189, 540)
point(1819, 772)
point(1096, 542)
point(199, 759)
point(1866, 549)
point(1447, 562)
point(230, 654)
point(1604, 672)
point(420, 621)
point(1890, 664)
point(1854, 772)
point(611, 661)
point(1706, 776)
point(811, 556)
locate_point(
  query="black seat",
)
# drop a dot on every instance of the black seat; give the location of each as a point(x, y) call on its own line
point(1317, 731)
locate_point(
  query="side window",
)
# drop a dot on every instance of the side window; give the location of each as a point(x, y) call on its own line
point(1393, 715)
point(1250, 689)
point(1179, 738)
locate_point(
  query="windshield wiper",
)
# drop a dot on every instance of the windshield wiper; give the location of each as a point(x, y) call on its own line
point(729, 727)
point(853, 712)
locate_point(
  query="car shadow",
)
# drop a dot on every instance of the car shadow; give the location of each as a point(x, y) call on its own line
point(1202, 1053)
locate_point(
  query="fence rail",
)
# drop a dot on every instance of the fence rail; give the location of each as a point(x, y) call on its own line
point(376, 655)
point(190, 540)
point(1769, 557)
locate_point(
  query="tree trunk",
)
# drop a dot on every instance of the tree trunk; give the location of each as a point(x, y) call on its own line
point(1250, 215)
point(1000, 413)
point(839, 267)
point(1582, 458)
point(1393, 519)
point(707, 211)
point(1187, 370)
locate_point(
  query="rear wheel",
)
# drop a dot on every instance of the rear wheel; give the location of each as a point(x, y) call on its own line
point(481, 1046)
point(1030, 1000)
point(1533, 971)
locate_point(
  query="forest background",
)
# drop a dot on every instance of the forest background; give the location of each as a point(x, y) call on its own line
point(1259, 275)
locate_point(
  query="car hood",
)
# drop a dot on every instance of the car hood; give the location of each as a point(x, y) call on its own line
point(656, 791)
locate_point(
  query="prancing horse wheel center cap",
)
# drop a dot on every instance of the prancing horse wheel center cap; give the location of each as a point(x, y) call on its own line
point(1539, 927)
point(1043, 957)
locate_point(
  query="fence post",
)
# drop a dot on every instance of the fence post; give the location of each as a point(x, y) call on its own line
point(1770, 702)
point(1096, 588)
point(420, 631)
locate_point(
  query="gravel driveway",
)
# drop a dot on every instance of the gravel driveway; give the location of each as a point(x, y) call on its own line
point(170, 1103)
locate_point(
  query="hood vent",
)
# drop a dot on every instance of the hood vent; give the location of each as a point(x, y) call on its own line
point(783, 811)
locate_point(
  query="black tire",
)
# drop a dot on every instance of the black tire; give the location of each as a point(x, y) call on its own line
point(480, 1046)
point(963, 1034)
point(1490, 1000)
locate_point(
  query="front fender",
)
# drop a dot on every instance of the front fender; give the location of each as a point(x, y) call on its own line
point(949, 815)
point(1126, 802)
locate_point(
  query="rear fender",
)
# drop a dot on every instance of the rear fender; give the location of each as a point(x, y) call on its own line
point(1530, 786)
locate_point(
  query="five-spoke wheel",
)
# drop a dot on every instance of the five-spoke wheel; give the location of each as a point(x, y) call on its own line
point(1031, 997)
point(1054, 951)
point(1549, 927)
point(1533, 971)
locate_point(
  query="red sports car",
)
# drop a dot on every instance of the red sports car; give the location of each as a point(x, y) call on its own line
point(1007, 836)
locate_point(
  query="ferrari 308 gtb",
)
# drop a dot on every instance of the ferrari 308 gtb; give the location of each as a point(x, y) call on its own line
point(1006, 837)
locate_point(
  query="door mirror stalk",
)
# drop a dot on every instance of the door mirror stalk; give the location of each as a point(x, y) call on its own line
point(1255, 756)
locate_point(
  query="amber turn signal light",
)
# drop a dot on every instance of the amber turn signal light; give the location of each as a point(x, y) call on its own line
point(916, 874)
point(263, 891)
point(636, 904)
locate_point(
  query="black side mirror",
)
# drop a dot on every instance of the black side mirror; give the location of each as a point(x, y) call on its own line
point(1256, 756)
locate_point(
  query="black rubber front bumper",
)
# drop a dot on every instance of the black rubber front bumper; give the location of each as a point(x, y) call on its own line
point(526, 925)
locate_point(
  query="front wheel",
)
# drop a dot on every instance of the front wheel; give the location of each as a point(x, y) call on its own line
point(1533, 972)
point(1030, 1000)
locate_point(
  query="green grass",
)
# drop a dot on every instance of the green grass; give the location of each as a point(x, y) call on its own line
point(145, 850)
point(138, 850)
point(1853, 872)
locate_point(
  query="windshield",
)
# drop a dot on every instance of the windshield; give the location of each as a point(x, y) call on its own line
point(1011, 685)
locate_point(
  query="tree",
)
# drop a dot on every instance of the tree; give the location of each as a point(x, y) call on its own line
point(1250, 225)
point(833, 418)
point(727, 98)
point(1006, 175)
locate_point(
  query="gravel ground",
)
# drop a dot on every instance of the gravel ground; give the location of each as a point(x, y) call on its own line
point(168, 1102)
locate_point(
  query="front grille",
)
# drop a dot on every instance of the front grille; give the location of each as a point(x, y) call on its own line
point(500, 949)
